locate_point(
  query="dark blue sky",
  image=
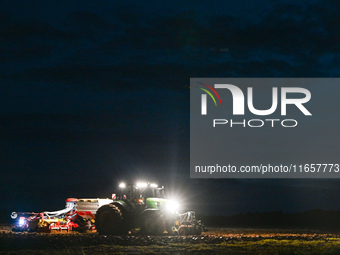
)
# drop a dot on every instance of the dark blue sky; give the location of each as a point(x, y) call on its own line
point(98, 92)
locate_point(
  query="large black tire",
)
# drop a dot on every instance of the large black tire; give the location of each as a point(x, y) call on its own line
point(109, 221)
point(154, 224)
point(183, 230)
point(198, 231)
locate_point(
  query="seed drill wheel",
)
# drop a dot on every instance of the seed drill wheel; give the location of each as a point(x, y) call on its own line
point(154, 224)
point(109, 220)
point(198, 230)
point(183, 230)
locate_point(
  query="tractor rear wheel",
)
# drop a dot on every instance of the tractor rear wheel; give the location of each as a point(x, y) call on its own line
point(154, 224)
point(109, 220)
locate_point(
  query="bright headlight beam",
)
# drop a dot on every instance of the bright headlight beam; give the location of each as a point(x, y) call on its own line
point(172, 206)
point(141, 185)
point(122, 185)
point(21, 221)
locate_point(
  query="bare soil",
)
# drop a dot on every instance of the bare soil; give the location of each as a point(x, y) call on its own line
point(216, 241)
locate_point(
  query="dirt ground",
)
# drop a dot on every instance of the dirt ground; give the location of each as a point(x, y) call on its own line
point(216, 241)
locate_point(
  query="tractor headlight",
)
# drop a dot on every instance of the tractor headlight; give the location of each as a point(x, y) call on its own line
point(153, 185)
point(21, 221)
point(141, 184)
point(172, 206)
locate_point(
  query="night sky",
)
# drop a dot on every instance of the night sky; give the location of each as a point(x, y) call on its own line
point(97, 92)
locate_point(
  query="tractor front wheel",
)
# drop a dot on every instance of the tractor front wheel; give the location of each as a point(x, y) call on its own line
point(154, 224)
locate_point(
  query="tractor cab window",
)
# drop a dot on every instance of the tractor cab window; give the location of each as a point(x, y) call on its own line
point(148, 192)
point(153, 192)
point(159, 192)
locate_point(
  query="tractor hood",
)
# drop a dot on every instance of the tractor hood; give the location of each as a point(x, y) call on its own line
point(161, 203)
point(155, 202)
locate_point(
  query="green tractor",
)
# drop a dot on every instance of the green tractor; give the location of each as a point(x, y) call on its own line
point(143, 207)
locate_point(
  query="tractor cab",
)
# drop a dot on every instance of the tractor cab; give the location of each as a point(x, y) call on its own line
point(140, 192)
point(153, 192)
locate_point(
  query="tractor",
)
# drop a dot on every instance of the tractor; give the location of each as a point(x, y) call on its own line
point(143, 208)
